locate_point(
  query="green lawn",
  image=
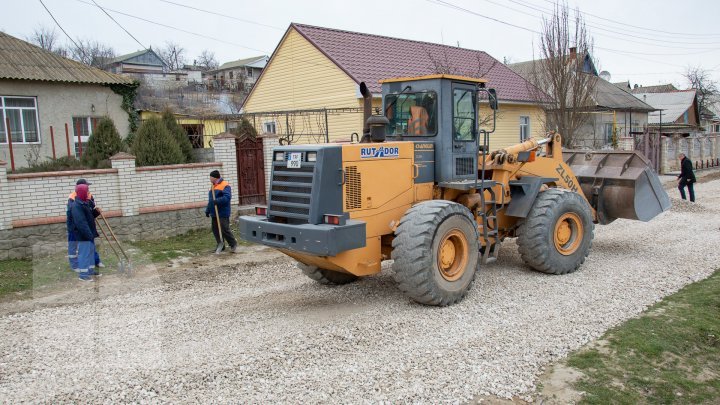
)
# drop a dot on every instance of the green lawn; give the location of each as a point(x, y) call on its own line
point(17, 276)
point(670, 354)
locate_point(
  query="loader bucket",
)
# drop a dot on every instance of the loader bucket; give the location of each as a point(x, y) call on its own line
point(618, 184)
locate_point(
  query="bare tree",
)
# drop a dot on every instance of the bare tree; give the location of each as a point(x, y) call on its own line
point(173, 55)
point(92, 53)
point(559, 73)
point(708, 93)
point(206, 60)
point(47, 39)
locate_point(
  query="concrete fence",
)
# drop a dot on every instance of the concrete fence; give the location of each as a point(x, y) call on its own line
point(140, 202)
point(702, 150)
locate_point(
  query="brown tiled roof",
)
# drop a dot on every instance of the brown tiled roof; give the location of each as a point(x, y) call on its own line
point(24, 61)
point(371, 58)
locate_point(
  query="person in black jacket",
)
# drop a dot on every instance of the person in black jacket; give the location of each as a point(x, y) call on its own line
point(686, 177)
point(83, 225)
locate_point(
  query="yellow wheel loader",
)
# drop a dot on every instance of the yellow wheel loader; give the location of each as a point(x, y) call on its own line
point(422, 189)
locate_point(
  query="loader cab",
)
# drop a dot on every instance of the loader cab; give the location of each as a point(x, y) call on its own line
point(440, 110)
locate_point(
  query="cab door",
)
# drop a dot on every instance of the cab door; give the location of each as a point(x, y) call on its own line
point(464, 131)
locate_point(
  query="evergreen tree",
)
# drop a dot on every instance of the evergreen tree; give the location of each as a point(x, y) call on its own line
point(104, 142)
point(179, 134)
point(154, 145)
point(244, 129)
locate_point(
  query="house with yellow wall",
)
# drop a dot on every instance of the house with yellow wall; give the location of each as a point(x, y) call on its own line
point(316, 69)
point(200, 129)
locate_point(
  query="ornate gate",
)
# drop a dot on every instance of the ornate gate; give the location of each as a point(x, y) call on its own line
point(251, 171)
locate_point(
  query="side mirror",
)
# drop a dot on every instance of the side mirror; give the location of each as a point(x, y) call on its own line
point(492, 99)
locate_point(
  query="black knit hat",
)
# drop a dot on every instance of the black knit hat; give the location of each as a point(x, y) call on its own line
point(215, 174)
point(83, 181)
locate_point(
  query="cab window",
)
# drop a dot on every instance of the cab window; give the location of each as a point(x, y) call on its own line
point(412, 114)
point(464, 114)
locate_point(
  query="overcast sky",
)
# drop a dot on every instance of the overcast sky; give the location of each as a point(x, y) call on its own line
point(645, 41)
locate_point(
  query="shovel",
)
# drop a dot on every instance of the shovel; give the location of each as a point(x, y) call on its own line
point(125, 265)
point(220, 245)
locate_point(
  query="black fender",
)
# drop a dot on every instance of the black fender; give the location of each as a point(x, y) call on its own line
point(523, 193)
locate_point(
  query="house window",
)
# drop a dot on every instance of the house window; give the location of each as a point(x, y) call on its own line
point(269, 127)
point(248, 72)
point(524, 127)
point(608, 132)
point(716, 128)
point(231, 75)
point(83, 127)
point(22, 113)
point(685, 117)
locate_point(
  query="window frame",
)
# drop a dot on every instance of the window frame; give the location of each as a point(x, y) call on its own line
point(84, 139)
point(3, 116)
point(274, 127)
point(607, 135)
point(405, 134)
point(526, 127)
point(474, 118)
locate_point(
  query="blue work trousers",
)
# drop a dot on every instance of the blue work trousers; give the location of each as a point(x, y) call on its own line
point(73, 251)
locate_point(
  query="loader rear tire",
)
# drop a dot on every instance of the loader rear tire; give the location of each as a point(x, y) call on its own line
point(435, 252)
point(327, 277)
point(556, 236)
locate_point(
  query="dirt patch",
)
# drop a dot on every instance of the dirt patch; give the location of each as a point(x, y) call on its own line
point(180, 271)
point(557, 385)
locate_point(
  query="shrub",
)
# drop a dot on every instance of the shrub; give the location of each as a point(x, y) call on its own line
point(54, 165)
point(104, 142)
point(179, 134)
point(153, 145)
point(245, 128)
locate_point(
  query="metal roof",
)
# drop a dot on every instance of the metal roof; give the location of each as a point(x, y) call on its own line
point(607, 95)
point(371, 58)
point(661, 88)
point(610, 96)
point(23, 61)
point(673, 104)
point(257, 62)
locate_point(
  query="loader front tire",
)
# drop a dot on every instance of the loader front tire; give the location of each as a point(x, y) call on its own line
point(556, 236)
point(435, 252)
point(327, 277)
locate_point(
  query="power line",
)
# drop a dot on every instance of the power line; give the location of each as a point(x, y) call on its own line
point(456, 7)
point(178, 29)
point(118, 24)
point(223, 15)
point(643, 28)
point(662, 42)
point(63, 30)
point(625, 33)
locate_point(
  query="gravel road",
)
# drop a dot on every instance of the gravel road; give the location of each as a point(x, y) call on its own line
point(251, 328)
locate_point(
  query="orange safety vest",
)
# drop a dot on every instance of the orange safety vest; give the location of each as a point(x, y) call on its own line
point(73, 195)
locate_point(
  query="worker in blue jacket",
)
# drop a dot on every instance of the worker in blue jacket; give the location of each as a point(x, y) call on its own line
point(83, 225)
point(221, 201)
point(72, 240)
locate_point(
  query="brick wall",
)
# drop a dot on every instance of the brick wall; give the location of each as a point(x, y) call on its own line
point(141, 201)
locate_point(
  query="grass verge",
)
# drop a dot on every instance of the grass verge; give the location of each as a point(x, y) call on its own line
point(671, 354)
point(18, 276)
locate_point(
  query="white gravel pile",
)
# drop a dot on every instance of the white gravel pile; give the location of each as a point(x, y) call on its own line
point(265, 333)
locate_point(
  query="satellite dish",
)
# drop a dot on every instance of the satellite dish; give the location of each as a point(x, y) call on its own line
point(605, 75)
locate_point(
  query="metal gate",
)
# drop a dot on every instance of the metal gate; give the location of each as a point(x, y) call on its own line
point(649, 145)
point(251, 171)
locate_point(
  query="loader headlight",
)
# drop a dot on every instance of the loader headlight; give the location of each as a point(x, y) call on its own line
point(279, 156)
point(311, 156)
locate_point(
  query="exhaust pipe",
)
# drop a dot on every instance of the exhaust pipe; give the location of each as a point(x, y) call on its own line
point(367, 107)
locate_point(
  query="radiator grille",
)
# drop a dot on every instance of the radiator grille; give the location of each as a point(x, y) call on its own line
point(464, 166)
point(353, 187)
point(290, 191)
